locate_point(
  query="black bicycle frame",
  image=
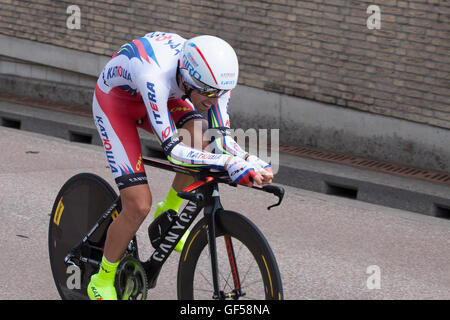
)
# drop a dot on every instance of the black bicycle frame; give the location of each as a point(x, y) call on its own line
point(210, 211)
point(207, 198)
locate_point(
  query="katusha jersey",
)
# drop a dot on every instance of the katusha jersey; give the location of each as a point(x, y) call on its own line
point(141, 76)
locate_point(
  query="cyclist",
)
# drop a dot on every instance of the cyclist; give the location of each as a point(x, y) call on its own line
point(162, 82)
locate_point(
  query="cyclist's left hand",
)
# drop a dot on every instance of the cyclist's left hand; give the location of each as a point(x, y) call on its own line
point(261, 167)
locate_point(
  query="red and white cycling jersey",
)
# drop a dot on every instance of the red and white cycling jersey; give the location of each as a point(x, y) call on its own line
point(138, 88)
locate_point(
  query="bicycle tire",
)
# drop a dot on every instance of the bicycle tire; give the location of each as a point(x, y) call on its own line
point(78, 205)
point(238, 227)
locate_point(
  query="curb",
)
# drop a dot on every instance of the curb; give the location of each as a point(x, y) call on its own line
point(365, 185)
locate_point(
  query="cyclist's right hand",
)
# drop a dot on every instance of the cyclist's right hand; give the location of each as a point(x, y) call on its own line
point(262, 167)
point(242, 172)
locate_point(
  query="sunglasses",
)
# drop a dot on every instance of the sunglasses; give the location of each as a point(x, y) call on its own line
point(210, 92)
point(200, 87)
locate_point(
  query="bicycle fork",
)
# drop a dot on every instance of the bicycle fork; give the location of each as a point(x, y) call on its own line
point(210, 211)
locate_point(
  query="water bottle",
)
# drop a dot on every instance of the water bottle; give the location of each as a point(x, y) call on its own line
point(157, 230)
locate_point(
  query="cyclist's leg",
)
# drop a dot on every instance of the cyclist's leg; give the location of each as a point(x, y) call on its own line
point(115, 117)
point(136, 202)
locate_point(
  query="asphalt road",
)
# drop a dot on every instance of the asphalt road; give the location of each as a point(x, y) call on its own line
point(327, 247)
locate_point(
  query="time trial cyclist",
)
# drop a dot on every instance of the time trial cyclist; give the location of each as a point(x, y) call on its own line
point(162, 82)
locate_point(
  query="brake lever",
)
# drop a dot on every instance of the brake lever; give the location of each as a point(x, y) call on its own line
point(275, 190)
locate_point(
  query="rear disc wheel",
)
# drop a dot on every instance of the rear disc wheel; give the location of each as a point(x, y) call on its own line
point(78, 205)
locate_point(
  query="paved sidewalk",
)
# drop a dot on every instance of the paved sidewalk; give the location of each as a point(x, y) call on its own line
point(361, 184)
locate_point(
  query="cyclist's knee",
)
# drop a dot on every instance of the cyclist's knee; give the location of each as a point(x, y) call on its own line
point(136, 202)
point(139, 210)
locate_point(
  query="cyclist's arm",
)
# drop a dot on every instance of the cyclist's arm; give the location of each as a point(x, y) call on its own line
point(223, 143)
point(218, 118)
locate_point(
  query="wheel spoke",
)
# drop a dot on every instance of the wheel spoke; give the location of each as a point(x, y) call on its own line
point(247, 272)
point(206, 279)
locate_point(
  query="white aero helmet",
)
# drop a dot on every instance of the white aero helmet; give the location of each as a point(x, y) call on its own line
point(209, 65)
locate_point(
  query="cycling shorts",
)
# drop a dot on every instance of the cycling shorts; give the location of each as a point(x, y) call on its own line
point(117, 116)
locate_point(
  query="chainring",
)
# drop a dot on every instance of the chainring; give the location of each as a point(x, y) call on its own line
point(131, 280)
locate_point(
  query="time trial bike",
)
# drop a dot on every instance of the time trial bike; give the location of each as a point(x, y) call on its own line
point(225, 256)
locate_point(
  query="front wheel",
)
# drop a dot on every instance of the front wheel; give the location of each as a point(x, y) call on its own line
point(246, 263)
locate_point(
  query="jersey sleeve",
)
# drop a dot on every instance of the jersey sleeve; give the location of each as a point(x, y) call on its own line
point(155, 95)
point(218, 118)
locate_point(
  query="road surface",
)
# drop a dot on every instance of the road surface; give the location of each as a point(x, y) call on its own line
point(327, 247)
